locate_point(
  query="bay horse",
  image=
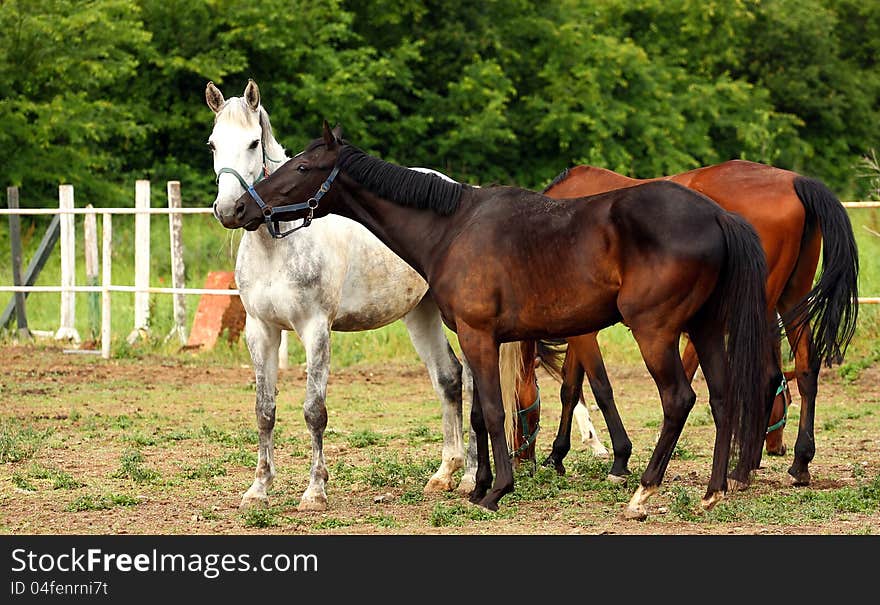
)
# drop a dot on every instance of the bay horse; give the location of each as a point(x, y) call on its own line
point(794, 216)
point(336, 276)
point(506, 264)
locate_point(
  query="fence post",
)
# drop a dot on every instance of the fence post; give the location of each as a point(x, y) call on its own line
point(67, 329)
point(141, 261)
point(15, 237)
point(90, 233)
point(106, 275)
point(178, 273)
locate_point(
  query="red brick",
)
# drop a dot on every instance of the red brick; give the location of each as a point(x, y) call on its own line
point(217, 313)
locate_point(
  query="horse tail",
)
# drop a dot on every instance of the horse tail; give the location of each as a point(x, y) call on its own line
point(741, 300)
point(511, 370)
point(832, 306)
point(551, 355)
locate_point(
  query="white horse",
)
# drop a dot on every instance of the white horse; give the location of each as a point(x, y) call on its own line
point(335, 275)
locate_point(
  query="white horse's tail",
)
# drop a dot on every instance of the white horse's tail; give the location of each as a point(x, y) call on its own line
point(510, 367)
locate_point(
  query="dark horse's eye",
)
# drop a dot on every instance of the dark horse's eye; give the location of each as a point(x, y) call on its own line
point(254, 144)
point(302, 168)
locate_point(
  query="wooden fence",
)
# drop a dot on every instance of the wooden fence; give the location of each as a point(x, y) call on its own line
point(141, 288)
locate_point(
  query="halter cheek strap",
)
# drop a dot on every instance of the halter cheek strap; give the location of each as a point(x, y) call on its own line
point(269, 212)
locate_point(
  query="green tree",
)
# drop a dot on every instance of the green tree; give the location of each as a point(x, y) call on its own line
point(58, 59)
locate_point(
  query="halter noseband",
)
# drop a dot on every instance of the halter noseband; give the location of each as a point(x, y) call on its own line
point(268, 211)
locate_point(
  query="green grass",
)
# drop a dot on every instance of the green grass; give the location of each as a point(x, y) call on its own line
point(132, 467)
point(18, 441)
point(364, 438)
point(91, 502)
point(260, 518)
point(58, 479)
point(781, 507)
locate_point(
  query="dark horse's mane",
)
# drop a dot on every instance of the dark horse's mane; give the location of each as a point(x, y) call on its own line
point(558, 178)
point(400, 185)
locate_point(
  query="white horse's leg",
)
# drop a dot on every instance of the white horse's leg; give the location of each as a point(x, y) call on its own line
point(588, 431)
point(469, 477)
point(316, 340)
point(262, 341)
point(426, 332)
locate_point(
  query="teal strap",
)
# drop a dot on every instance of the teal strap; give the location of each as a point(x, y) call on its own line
point(524, 422)
point(778, 425)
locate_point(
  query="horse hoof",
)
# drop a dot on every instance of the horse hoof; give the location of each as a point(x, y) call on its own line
point(438, 484)
point(252, 502)
point(635, 514)
point(709, 502)
point(799, 479)
point(615, 479)
point(467, 485)
point(312, 504)
point(476, 496)
point(736, 486)
point(488, 503)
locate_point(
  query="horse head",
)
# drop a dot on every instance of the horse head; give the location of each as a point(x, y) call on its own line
point(294, 191)
point(242, 145)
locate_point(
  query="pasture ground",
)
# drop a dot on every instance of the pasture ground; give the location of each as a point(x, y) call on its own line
point(167, 445)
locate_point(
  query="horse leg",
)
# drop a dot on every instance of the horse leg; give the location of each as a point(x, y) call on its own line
point(710, 342)
point(483, 472)
point(569, 395)
point(426, 332)
point(591, 358)
point(315, 337)
point(262, 341)
point(774, 442)
point(589, 435)
point(660, 352)
point(468, 477)
point(481, 351)
point(805, 359)
point(807, 375)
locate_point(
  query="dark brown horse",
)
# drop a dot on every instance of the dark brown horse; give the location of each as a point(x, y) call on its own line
point(507, 264)
point(793, 215)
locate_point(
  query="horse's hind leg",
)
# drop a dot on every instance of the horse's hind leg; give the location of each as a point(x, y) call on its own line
point(807, 374)
point(469, 476)
point(710, 343)
point(426, 332)
point(315, 337)
point(569, 395)
point(660, 351)
point(262, 341)
point(805, 361)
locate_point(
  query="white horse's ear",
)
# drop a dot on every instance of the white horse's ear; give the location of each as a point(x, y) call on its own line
point(252, 95)
point(214, 97)
point(330, 138)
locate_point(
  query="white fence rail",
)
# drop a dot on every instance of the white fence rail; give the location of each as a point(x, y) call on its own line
point(141, 287)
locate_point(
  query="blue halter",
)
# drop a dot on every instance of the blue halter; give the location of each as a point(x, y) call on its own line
point(269, 213)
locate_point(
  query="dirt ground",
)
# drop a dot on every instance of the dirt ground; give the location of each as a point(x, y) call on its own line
point(167, 446)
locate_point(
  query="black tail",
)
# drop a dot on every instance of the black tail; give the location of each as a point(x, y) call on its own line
point(741, 301)
point(832, 306)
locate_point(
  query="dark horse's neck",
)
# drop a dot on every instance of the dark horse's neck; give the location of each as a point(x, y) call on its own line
point(408, 211)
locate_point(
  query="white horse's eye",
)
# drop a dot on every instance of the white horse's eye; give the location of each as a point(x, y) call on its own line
point(211, 145)
point(254, 144)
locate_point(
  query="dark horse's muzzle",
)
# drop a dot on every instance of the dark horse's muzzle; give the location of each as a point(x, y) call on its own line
point(273, 215)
